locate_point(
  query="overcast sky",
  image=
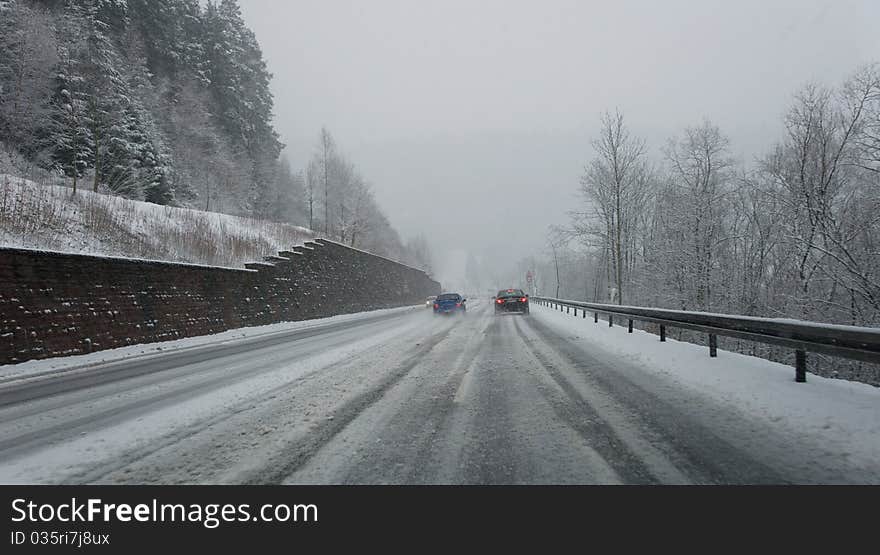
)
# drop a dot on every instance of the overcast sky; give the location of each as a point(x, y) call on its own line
point(473, 119)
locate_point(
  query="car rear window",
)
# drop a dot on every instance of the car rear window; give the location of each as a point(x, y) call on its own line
point(449, 297)
point(511, 293)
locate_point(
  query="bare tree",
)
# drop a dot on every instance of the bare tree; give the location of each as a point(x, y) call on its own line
point(819, 175)
point(359, 200)
point(556, 238)
point(700, 174)
point(321, 179)
point(327, 153)
point(614, 187)
point(313, 184)
point(861, 93)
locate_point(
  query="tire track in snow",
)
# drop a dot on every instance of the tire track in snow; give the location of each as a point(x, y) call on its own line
point(674, 444)
point(297, 453)
point(586, 420)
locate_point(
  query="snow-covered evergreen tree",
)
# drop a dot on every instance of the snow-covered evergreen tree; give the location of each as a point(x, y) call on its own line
point(167, 101)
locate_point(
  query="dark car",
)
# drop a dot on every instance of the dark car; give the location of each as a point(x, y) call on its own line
point(450, 303)
point(511, 300)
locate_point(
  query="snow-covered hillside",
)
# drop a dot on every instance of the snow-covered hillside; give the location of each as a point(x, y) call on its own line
point(51, 217)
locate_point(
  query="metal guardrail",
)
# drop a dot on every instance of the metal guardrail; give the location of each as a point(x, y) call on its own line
point(851, 342)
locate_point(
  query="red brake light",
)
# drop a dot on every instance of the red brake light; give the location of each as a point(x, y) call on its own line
point(524, 299)
point(436, 305)
point(499, 301)
point(457, 305)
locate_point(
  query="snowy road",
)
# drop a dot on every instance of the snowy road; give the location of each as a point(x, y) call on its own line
point(406, 397)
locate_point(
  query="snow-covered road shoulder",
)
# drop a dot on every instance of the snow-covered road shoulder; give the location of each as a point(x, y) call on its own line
point(842, 415)
point(35, 369)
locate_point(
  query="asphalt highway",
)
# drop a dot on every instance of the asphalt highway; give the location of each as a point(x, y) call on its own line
point(398, 398)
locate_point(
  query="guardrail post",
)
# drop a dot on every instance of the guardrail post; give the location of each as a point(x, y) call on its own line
point(713, 345)
point(800, 372)
point(567, 309)
point(585, 313)
point(575, 312)
point(663, 333)
point(630, 326)
point(596, 317)
point(610, 320)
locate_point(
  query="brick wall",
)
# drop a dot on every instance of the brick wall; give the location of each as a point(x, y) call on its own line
point(55, 304)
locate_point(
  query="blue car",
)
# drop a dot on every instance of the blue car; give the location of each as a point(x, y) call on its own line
point(450, 303)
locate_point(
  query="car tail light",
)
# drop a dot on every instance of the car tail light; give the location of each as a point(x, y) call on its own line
point(499, 301)
point(458, 305)
point(524, 299)
point(436, 306)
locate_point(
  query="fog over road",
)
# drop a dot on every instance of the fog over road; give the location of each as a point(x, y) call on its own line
point(398, 397)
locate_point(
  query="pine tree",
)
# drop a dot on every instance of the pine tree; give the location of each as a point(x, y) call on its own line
point(239, 78)
point(153, 99)
point(162, 29)
point(66, 138)
point(239, 82)
point(145, 143)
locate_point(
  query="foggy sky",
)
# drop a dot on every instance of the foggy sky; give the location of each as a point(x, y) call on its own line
point(486, 108)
